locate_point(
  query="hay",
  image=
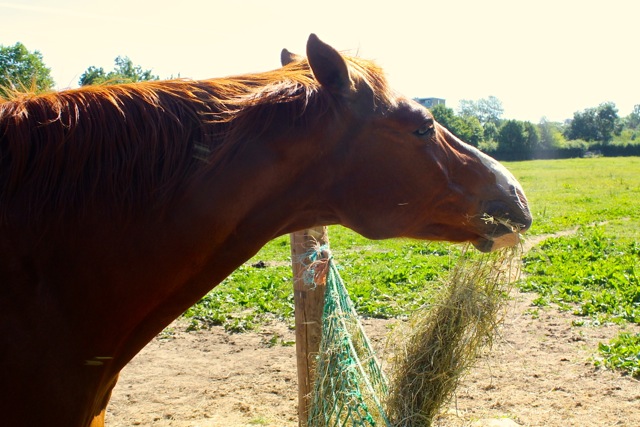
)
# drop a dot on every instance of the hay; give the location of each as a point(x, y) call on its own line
point(431, 352)
point(445, 339)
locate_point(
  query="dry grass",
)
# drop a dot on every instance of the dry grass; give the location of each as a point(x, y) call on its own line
point(431, 352)
point(445, 339)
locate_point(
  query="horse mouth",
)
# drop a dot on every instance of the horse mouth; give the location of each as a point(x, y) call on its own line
point(503, 222)
point(502, 234)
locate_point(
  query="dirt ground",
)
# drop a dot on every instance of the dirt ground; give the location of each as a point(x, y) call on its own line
point(539, 373)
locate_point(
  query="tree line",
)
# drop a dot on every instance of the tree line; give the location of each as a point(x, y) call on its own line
point(478, 122)
point(597, 129)
point(25, 71)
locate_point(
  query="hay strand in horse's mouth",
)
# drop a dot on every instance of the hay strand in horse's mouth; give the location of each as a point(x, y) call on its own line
point(444, 340)
point(506, 222)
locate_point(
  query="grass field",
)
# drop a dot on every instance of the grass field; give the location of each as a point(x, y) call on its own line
point(593, 271)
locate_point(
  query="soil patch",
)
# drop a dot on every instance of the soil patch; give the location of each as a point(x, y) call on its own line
point(539, 373)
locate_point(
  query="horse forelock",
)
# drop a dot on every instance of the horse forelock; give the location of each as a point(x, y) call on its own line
point(127, 148)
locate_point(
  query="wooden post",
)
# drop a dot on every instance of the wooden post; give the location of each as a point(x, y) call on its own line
point(309, 303)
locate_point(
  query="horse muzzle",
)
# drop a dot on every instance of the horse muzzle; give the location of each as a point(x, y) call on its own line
point(503, 221)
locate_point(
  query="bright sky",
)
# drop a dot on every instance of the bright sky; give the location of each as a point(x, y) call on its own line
point(540, 58)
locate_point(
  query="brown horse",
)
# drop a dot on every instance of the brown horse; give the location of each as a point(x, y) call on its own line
point(121, 206)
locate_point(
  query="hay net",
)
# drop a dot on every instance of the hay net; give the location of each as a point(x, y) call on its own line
point(349, 382)
point(350, 388)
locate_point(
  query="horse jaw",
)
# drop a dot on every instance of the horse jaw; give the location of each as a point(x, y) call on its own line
point(505, 241)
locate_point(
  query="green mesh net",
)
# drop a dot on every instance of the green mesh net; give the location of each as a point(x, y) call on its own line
point(444, 339)
point(349, 382)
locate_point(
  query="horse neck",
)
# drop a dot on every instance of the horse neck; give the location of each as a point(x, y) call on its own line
point(274, 187)
point(227, 216)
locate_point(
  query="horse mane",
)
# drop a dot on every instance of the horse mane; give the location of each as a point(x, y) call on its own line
point(129, 148)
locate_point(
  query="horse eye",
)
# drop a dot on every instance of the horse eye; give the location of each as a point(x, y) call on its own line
point(425, 129)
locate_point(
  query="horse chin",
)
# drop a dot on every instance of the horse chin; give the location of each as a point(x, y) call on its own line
point(489, 245)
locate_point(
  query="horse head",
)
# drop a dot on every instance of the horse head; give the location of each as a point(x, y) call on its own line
point(407, 175)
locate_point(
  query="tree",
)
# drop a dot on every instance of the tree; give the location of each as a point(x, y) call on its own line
point(490, 131)
point(444, 115)
point(466, 128)
point(472, 130)
point(550, 134)
point(632, 121)
point(486, 110)
point(594, 124)
point(608, 119)
point(21, 69)
point(512, 136)
point(583, 125)
point(467, 107)
point(124, 72)
point(532, 135)
point(93, 76)
point(520, 138)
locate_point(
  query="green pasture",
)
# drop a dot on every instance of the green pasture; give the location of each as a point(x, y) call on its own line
point(593, 270)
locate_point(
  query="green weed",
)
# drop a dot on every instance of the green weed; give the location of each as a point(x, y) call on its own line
point(597, 274)
point(622, 353)
point(247, 298)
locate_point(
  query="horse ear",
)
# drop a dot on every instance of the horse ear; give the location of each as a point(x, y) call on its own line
point(287, 57)
point(328, 66)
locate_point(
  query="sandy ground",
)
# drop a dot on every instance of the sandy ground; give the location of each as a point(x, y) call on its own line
point(539, 373)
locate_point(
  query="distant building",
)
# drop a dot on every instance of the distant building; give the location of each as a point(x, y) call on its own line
point(430, 102)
